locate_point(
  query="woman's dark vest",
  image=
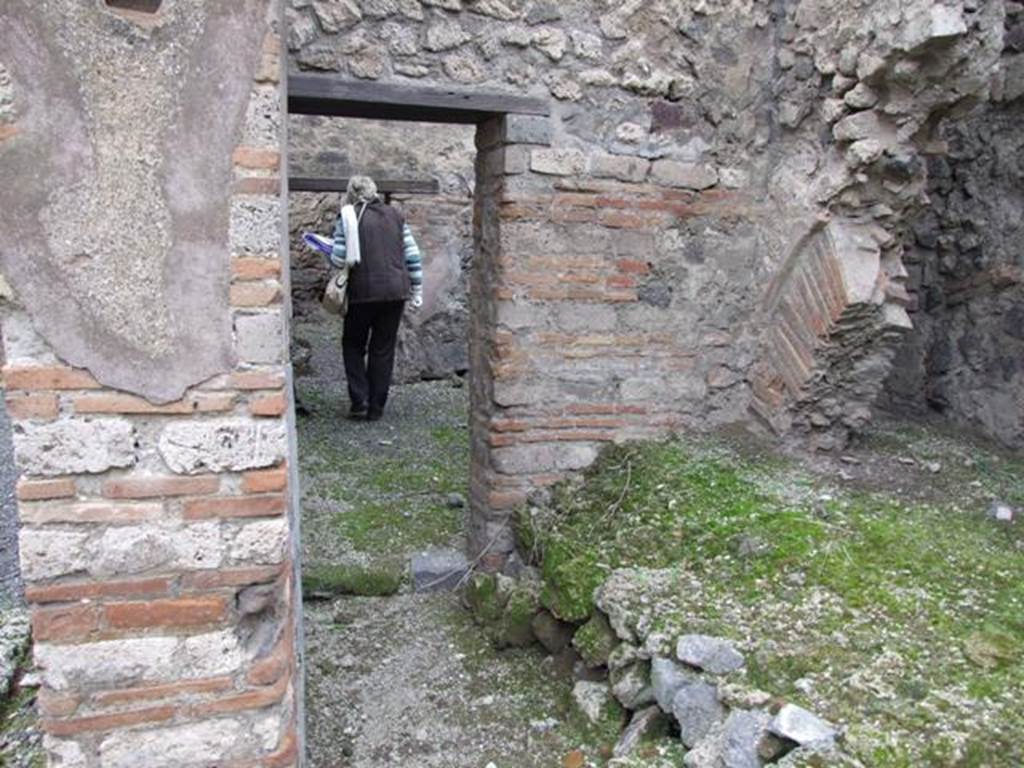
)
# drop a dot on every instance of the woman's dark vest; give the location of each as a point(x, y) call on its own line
point(381, 274)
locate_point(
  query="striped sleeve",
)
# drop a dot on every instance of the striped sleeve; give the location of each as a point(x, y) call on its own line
point(413, 259)
point(338, 253)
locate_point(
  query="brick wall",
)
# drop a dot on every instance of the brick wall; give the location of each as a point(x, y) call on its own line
point(157, 538)
point(572, 346)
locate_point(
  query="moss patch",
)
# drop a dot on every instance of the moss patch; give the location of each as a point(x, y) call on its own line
point(899, 616)
point(378, 580)
point(381, 489)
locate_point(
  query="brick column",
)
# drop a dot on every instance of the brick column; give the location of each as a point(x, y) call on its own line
point(157, 538)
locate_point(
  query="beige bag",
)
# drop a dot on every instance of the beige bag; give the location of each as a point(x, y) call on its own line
point(335, 298)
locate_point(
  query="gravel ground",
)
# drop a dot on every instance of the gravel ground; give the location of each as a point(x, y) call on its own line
point(405, 680)
point(10, 577)
point(410, 681)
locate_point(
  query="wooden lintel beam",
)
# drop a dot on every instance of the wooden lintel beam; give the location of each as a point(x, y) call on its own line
point(384, 186)
point(338, 97)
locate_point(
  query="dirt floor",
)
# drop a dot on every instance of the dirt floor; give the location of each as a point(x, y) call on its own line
point(405, 679)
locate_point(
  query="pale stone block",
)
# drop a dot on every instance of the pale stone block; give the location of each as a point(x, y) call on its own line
point(260, 338)
point(106, 663)
point(558, 162)
point(685, 175)
point(261, 543)
point(46, 553)
point(64, 753)
point(189, 744)
point(222, 446)
point(75, 446)
point(128, 550)
point(621, 167)
point(527, 129)
point(255, 225)
point(211, 654)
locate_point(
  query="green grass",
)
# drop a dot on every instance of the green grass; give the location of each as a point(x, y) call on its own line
point(389, 499)
point(903, 613)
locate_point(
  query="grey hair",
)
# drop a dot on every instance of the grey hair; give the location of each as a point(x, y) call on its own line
point(361, 189)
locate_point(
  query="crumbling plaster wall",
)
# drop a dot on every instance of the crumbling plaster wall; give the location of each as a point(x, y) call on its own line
point(432, 341)
point(965, 358)
point(709, 227)
point(144, 369)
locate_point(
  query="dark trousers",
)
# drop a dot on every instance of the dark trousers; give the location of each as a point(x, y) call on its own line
point(368, 347)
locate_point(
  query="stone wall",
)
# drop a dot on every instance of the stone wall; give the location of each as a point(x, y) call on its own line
point(432, 341)
point(965, 358)
point(145, 376)
point(709, 227)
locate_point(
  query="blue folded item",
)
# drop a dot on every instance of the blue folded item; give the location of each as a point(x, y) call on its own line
point(319, 243)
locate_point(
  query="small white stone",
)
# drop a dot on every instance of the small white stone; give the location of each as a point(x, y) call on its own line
point(797, 724)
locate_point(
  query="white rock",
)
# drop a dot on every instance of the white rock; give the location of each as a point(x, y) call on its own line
point(1001, 511)
point(225, 445)
point(797, 724)
point(591, 699)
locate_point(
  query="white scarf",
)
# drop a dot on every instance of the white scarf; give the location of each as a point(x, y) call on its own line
point(350, 223)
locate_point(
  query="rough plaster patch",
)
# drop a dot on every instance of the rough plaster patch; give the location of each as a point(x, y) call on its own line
point(73, 447)
point(115, 233)
point(219, 446)
point(22, 343)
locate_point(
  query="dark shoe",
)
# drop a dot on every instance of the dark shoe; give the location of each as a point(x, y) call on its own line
point(357, 412)
point(374, 415)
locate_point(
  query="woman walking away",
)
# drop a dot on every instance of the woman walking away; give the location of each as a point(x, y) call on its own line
point(386, 269)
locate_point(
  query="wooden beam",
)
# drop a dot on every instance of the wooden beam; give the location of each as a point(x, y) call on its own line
point(334, 96)
point(384, 186)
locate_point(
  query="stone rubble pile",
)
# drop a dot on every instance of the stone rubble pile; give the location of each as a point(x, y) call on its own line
point(690, 687)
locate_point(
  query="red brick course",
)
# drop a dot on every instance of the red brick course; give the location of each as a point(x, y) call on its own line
point(234, 506)
point(41, 407)
point(258, 294)
point(257, 158)
point(91, 590)
point(47, 377)
point(203, 402)
point(255, 268)
point(252, 380)
point(178, 612)
point(99, 723)
point(269, 405)
point(265, 480)
point(153, 486)
point(37, 490)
